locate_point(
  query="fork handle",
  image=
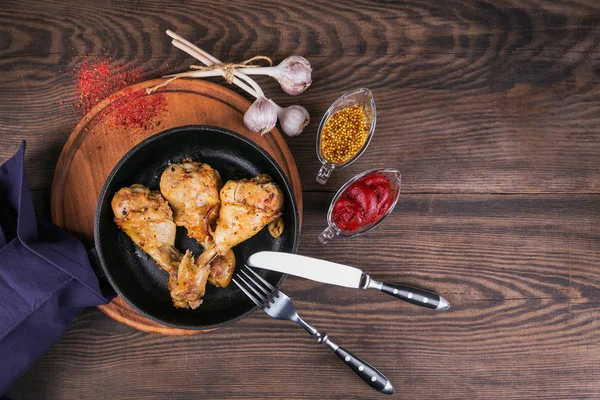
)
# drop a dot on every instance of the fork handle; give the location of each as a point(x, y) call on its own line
point(364, 370)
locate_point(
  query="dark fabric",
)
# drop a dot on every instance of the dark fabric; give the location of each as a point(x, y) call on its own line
point(45, 277)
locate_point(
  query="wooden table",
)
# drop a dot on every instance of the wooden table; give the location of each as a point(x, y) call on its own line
point(491, 110)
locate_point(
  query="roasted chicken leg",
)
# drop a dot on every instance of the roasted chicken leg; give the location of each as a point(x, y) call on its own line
point(147, 219)
point(188, 287)
point(247, 206)
point(192, 190)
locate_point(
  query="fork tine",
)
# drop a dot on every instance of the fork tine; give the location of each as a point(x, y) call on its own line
point(254, 299)
point(261, 278)
point(261, 296)
point(258, 285)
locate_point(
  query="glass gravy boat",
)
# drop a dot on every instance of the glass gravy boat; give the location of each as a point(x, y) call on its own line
point(332, 230)
point(362, 96)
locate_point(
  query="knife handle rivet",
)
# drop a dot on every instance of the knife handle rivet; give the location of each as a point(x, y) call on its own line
point(347, 358)
point(425, 300)
point(361, 368)
point(410, 296)
point(373, 379)
point(395, 291)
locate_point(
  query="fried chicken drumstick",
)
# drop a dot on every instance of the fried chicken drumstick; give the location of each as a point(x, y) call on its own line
point(147, 219)
point(192, 190)
point(247, 206)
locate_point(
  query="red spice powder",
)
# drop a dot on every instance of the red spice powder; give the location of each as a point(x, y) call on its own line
point(137, 108)
point(98, 80)
point(94, 83)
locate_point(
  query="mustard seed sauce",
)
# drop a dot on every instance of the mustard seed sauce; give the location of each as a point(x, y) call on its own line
point(344, 134)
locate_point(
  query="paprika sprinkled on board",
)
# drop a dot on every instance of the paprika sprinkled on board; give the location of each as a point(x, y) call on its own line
point(136, 108)
point(97, 80)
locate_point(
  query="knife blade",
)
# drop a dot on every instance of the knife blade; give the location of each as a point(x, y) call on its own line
point(342, 275)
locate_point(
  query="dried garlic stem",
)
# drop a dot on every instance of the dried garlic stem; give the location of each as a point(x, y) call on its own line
point(212, 59)
point(199, 55)
point(189, 74)
point(269, 71)
point(196, 74)
point(194, 53)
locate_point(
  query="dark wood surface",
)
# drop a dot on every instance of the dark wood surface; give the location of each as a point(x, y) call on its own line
point(491, 110)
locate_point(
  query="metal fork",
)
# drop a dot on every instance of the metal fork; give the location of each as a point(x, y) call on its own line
point(279, 306)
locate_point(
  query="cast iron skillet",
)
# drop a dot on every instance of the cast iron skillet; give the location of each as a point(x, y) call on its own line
point(135, 276)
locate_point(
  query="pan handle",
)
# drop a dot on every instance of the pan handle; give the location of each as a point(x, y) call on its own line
point(105, 287)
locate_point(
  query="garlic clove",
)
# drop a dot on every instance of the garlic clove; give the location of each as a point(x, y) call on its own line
point(293, 119)
point(294, 75)
point(261, 117)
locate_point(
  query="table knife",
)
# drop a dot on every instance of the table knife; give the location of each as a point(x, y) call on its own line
point(342, 275)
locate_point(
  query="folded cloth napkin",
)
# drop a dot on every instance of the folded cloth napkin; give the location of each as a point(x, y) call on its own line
point(45, 277)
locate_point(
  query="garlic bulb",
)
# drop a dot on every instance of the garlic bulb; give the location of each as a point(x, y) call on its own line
point(261, 117)
point(293, 119)
point(294, 75)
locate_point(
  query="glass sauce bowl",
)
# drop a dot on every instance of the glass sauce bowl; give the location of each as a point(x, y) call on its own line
point(332, 230)
point(362, 96)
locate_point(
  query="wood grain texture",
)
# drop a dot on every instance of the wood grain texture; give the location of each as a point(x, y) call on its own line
point(504, 93)
point(491, 111)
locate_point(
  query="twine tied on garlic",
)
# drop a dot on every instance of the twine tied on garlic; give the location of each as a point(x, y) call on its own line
point(228, 69)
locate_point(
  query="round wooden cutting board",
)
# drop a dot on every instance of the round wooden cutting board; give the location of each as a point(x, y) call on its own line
point(97, 144)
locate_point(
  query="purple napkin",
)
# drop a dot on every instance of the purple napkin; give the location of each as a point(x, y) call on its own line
point(45, 277)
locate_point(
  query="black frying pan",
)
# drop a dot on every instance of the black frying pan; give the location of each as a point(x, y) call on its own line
point(135, 276)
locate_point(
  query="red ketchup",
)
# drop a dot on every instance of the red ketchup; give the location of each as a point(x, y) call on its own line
point(363, 202)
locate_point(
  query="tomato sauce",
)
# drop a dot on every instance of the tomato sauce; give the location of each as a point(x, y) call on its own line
point(363, 203)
